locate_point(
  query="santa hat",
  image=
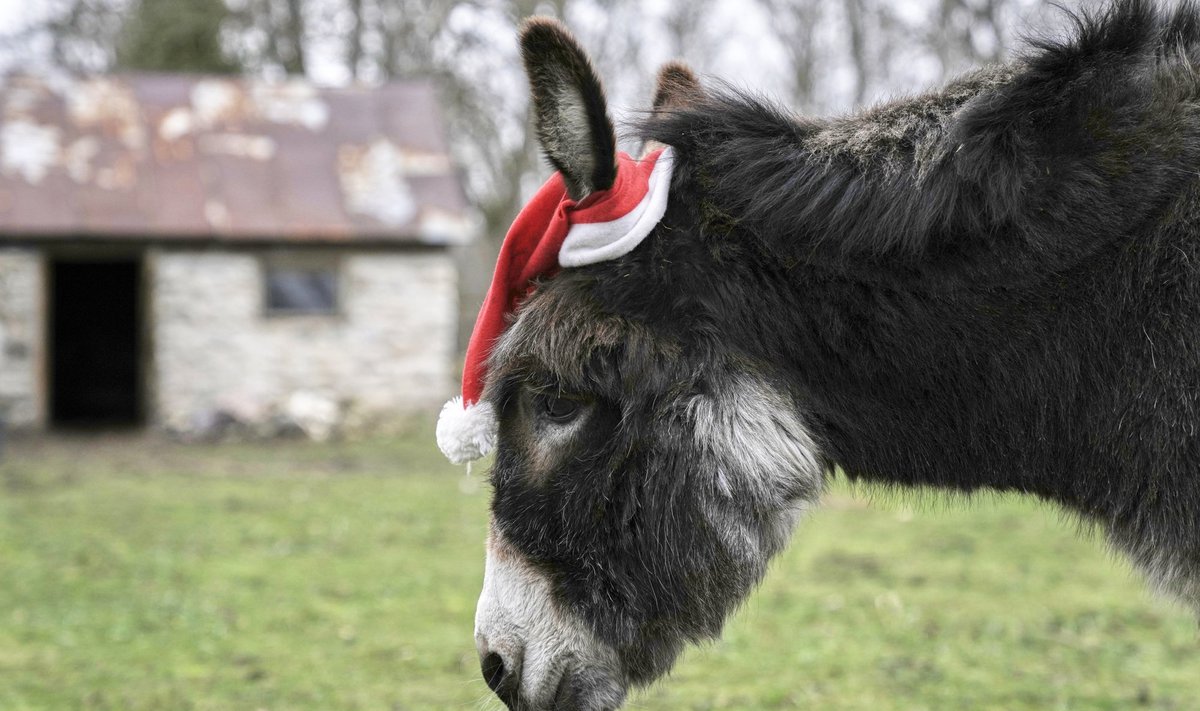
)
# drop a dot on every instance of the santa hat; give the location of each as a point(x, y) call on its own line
point(552, 232)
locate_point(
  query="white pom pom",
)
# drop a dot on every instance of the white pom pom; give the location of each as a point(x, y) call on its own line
point(466, 434)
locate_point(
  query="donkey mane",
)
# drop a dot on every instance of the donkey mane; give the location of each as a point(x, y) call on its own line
point(1032, 165)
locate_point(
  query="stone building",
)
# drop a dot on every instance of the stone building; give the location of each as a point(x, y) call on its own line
point(183, 252)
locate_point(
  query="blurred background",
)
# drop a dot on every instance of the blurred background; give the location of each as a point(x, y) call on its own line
point(241, 245)
point(293, 206)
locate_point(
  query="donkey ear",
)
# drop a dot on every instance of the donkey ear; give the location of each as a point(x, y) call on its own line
point(677, 87)
point(569, 107)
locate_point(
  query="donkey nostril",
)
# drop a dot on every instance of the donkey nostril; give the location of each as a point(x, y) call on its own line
point(493, 670)
point(501, 672)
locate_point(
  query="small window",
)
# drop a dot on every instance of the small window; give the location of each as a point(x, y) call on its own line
point(301, 287)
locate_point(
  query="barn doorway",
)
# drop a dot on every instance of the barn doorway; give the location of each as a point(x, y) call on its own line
point(95, 342)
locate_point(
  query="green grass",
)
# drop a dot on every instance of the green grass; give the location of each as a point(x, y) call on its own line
point(136, 574)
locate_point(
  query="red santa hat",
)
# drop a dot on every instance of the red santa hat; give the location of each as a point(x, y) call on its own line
point(552, 232)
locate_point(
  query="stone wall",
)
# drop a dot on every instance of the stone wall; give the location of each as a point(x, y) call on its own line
point(218, 357)
point(21, 337)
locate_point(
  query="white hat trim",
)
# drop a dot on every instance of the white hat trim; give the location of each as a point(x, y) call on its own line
point(592, 242)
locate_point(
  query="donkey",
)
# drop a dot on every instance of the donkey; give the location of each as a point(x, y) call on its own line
point(995, 285)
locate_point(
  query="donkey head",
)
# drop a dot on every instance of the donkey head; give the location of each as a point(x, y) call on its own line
point(647, 469)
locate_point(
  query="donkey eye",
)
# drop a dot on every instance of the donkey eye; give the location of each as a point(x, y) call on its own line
point(558, 409)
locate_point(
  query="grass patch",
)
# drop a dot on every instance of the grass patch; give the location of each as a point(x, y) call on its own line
point(137, 574)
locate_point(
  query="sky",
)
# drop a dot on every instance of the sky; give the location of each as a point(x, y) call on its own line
point(16, 15)
point(12, 12)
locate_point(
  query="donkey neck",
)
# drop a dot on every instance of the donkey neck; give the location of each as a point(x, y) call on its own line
point(937, 276)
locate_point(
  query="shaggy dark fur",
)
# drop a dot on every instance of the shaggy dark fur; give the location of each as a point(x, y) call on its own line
point(996, 285)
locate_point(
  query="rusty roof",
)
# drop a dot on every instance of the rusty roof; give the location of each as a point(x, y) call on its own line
point(146, 156)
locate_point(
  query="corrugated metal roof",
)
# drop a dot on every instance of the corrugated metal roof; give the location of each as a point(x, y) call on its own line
point(183, 157)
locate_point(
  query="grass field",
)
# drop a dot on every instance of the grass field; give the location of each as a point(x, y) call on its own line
point(136, 574)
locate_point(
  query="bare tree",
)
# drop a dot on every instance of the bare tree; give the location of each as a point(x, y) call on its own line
point(796, 22)
point(968, 32)
point(270, 35)
point(684, 24)
point(79, 36)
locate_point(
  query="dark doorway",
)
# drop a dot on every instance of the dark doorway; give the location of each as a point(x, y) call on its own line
point(95, 342)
